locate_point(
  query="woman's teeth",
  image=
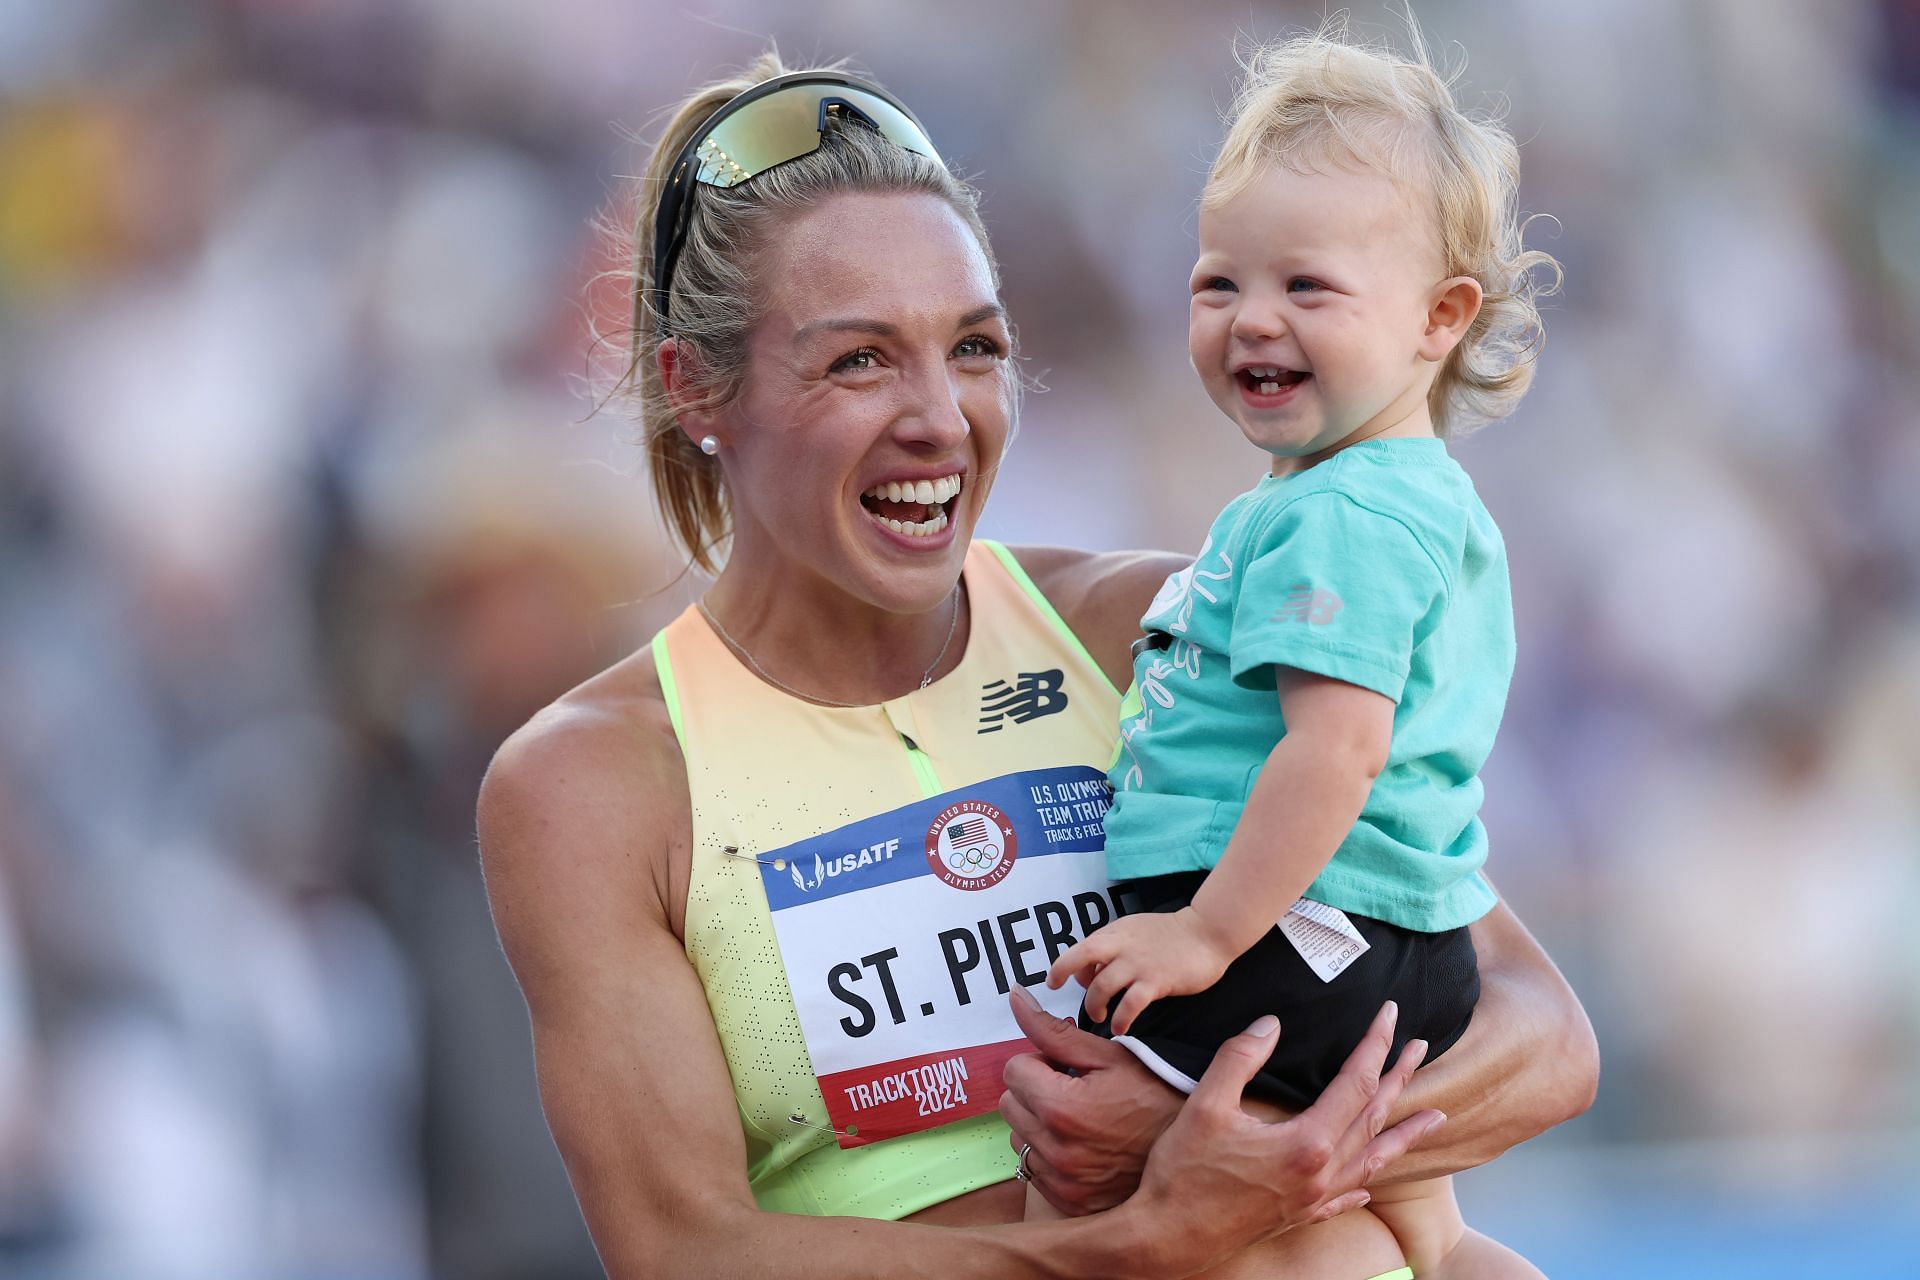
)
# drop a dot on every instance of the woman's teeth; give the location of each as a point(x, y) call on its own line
point(926, 492)
point(916, 529)
point(912, 508)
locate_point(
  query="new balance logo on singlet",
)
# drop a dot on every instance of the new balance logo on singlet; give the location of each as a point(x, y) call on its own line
point(1032, 694)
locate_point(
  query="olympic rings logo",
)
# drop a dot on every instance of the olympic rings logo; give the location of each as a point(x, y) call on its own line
point(971, 845)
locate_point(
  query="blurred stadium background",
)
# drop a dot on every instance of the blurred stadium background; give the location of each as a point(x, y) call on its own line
point(302, 509)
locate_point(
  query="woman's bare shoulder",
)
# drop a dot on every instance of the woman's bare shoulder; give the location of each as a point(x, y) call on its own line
point(1100, 595)
point(592, 788)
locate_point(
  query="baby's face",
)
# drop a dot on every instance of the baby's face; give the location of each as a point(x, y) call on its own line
point(1311, 299)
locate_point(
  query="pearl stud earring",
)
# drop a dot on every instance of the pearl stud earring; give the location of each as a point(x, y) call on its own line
point(709, 445)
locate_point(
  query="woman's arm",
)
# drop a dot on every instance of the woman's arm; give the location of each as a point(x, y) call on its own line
point(1101, 595)
point(578, 818)
point(1527, 1062)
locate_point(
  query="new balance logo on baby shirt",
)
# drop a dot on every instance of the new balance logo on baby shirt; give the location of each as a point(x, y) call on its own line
point(1305, 604)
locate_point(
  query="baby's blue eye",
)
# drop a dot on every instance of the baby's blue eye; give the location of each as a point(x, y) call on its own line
point(1217, 284)
point(1300, 284)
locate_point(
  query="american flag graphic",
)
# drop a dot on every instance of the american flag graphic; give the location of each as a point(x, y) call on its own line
point(969, 830)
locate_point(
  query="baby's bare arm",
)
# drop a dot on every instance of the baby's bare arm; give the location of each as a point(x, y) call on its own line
point(1307, 798)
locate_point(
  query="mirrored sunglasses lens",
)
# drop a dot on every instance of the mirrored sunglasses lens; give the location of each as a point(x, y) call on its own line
point(893, 123)
point(760, 135)
point(785, 126)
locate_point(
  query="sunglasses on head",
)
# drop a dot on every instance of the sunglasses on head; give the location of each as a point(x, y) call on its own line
point(777, 120)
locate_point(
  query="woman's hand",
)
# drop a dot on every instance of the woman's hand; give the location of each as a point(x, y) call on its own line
point(1090, 1113)
point(1147, 956)
point(1254, 1174)
point(1086, 1107)
point(1528, 1062)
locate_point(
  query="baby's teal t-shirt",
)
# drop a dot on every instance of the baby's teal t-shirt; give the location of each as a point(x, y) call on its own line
point(1379, 567)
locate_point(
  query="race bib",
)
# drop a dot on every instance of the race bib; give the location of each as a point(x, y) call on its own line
point(903, 933)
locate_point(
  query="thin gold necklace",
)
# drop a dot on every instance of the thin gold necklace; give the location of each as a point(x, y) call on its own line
point(926, 677)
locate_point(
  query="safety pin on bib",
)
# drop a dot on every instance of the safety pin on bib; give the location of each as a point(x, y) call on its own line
point(800, 1118)
point(733, 851)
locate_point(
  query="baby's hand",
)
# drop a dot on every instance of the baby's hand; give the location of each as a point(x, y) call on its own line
point(1149, 955)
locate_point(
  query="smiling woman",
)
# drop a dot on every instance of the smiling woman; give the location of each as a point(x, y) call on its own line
point(855, 393)
point(752, 1065)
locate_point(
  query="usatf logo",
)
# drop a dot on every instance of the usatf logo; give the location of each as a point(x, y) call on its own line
point(1032, 694)
point(1305, 604)
point(843, 864)
point(971, 845)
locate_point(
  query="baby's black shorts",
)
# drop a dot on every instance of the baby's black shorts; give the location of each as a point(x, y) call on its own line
point(1434, 978)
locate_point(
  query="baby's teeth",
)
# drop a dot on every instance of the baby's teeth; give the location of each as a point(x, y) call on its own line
point(1269, 388)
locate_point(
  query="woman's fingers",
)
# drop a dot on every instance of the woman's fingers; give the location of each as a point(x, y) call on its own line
point(1022, 1125)
point(1355, 1117)
point(1060, 1040)
point(1339, 1205)
point(1236, 1062)
point(1347, 1098)
point(1396, 1142)
point(1374, 1120)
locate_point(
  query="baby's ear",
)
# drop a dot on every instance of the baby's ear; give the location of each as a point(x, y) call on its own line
point(1451, 310)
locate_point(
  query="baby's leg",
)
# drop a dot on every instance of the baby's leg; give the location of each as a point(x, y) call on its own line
point(1479, 1256)
point(1352, 1245)
point(1424, 1217)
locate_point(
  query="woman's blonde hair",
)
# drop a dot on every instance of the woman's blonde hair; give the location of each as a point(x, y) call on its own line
point(713, 303)
point(1327, 98)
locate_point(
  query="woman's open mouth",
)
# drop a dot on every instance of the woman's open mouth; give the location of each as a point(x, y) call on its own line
point(913, 508)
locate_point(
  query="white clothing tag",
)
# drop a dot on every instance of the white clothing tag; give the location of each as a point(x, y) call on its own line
point(1324, 937)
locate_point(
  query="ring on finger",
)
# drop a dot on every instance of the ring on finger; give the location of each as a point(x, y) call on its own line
point(1022, 1173)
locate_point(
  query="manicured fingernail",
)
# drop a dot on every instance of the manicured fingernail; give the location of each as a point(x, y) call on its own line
point(1437, 1123)
point(1025, 997)
point(1263, 1026)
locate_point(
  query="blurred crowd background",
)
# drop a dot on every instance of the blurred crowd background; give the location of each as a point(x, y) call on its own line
point(304, 506)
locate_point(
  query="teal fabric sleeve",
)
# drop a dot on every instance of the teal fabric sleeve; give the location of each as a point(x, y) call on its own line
point(1338, 589)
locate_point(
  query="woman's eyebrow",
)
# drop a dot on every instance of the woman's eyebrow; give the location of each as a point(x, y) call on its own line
point(980, 315)
point(879, 328)
point(885, 329)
